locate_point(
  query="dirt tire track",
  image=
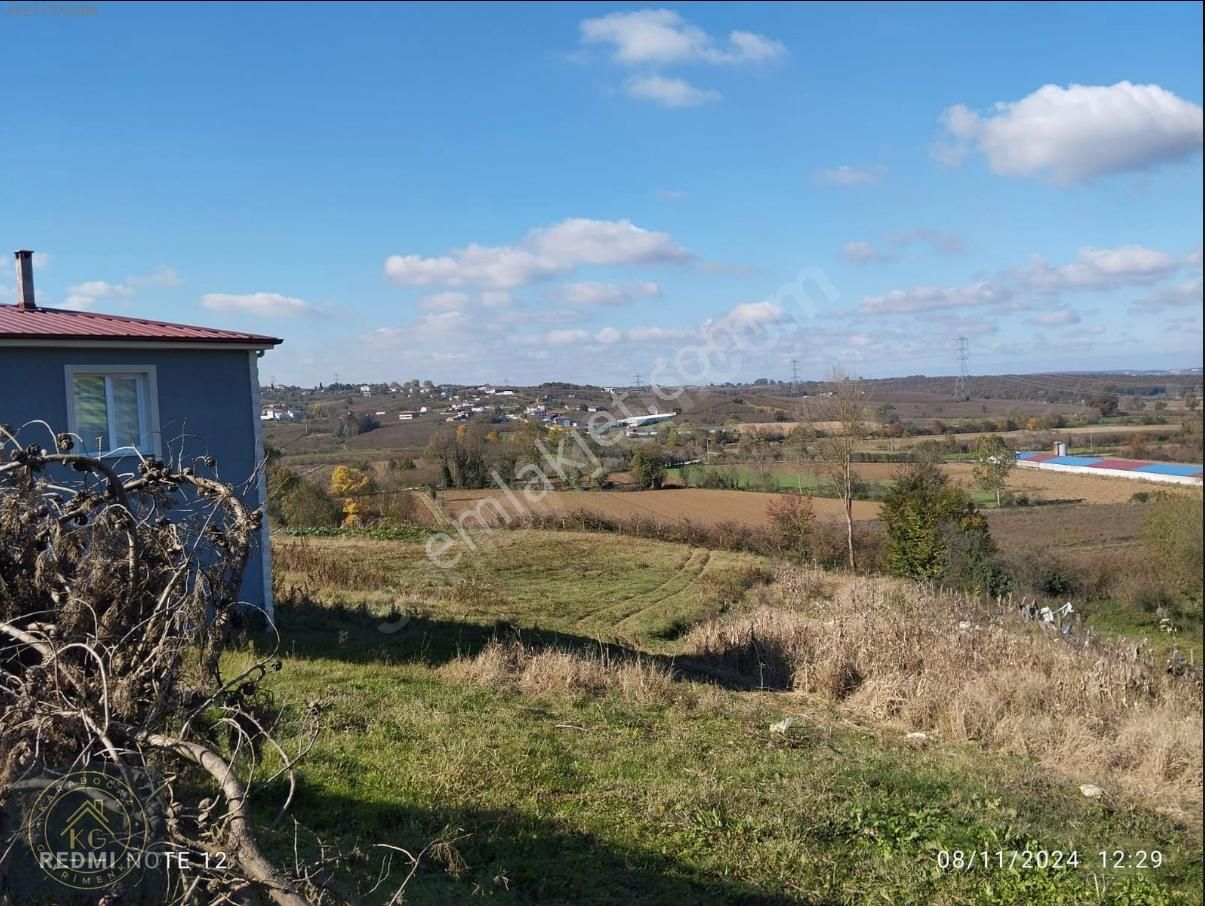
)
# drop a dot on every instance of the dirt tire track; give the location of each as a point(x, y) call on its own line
point(680, 581)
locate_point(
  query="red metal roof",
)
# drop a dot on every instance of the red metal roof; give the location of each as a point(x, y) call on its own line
point(1125, 465)
point(63, 325)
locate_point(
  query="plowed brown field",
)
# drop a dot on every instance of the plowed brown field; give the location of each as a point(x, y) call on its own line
point(697, 504)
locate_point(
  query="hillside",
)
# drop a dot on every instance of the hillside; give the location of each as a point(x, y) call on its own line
point(566, 709)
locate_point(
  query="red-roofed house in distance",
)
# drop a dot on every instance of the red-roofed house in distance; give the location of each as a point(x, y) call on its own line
point(130, 386)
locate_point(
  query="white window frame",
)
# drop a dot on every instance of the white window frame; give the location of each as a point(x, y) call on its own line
point(148, 407)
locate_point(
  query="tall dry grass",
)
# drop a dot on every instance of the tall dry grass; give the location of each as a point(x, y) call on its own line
point(518, 667)
point(960, 670)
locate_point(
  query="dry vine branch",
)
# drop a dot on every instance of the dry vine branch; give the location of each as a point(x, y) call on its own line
point(118, 594)
point(113, 618)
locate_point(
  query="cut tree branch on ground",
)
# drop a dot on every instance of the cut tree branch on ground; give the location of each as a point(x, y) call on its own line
point(119, 594)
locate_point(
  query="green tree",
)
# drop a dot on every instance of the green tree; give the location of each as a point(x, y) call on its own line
point(1172, 534)
point(460, 454)
point(308, 506)
point(929, 451)
point(1105, 402)
point(648, 466)
point(993, 461)
point(281, 483)
point(935, 530)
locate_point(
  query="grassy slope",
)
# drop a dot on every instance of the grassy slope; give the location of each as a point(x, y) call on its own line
point(581, 585)
point(605, 800)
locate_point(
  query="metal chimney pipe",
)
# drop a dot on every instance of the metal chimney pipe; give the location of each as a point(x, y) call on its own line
point(25, 300)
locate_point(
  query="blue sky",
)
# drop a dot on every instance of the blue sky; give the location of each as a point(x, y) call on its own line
point(487, 192)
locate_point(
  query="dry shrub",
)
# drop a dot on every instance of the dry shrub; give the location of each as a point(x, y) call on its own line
point(518, 667)
point(326, 568)
point(805, 585)
point(841, 679)
point(965, 670)
point(767, 645)
point(729, 585)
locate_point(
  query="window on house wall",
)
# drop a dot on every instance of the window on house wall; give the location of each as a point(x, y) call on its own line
point(113, 408)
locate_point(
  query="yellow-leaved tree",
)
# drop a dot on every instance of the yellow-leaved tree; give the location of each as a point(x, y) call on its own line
point(351, 486)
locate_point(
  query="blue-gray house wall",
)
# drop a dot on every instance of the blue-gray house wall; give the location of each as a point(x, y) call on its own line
point(207, 402)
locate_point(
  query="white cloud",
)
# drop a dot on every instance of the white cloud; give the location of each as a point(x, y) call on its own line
point(99, 289)
point(663, 36)
point(669, 92)
point(385, 336)
point(653, 334)
point(591, 293)
point(565, 337)
point(967, 327)
point(1073, 135)
point(441, 327)
point(933, 298)
point(941, 241)
point(267, 305)
point(1193, 258)
point(495, 298)
point(1100, 269)
point(861, 253)
point(1172, 297)
point(670, 194)
point(77, 302)
point(543, 253)
point(608, 335)
point(752, 313)
point(1059, 317)
point(418, 271)
point(846, 175)
point(446, 301)
point(83, 296)
point(501, 266)
point(578, 241)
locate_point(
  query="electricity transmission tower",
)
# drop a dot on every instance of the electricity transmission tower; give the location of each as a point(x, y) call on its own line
point(962, 385)
point(794, 377)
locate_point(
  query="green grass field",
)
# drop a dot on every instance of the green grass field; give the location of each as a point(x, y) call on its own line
point(749, 478)
point(581, 585)
point(601, 798)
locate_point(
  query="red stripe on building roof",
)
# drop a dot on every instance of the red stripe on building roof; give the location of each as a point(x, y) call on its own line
point(1125, 465)
point(61, 324)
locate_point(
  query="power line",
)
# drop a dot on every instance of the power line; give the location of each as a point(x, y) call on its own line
point(961, 386)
